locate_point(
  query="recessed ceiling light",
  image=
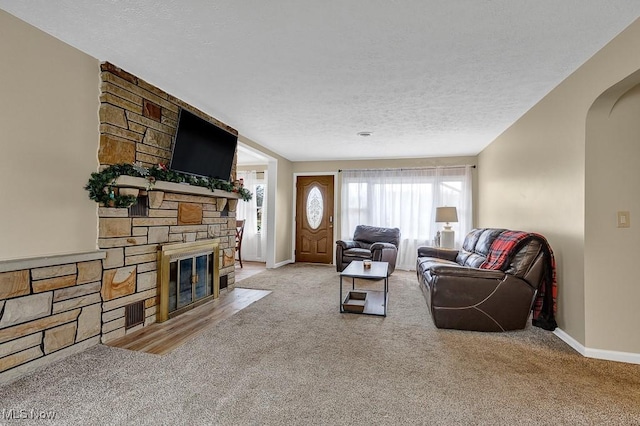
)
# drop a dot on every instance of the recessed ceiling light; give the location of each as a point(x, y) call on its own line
point(365, 134)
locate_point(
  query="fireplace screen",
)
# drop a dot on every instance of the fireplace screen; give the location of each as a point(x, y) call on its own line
point(188, 276)
point(190, 280)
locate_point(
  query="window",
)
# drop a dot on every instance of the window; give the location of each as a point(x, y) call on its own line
point(259, 200)
point(406, 199)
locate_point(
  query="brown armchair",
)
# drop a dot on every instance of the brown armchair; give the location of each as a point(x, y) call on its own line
point(369, 242)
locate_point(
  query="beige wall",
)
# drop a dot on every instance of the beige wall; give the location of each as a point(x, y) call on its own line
point(613, 184)
point(532, 177)
point(48, 143)
point(303, 167)
point(284, 212)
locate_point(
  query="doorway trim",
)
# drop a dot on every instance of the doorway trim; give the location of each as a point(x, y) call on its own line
point(293, 211)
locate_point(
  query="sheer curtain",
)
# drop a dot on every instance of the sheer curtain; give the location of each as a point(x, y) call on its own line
point(406, 199)
point(254, 240)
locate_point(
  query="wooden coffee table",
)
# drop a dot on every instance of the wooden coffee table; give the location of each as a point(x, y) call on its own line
point(368, 302)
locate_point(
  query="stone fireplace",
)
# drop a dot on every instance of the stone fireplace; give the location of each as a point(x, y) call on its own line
point(138, 123)
point(180, 222)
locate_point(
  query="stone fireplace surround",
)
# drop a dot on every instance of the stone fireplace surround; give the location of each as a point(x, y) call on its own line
point(131, 244)
point(55, 306)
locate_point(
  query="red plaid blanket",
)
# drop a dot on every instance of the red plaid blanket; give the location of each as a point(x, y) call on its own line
point(504, 247)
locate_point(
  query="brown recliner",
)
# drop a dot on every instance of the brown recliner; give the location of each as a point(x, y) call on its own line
point(369, 242)
point(461, 295)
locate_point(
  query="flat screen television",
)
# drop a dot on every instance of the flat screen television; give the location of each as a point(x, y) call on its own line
point(201, 148)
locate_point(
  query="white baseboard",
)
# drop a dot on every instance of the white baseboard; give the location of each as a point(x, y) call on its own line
point(628, 357)
point(577, 346)
point(284, 262)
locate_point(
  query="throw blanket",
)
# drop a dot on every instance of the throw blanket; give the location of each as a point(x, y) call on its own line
point(504, 247)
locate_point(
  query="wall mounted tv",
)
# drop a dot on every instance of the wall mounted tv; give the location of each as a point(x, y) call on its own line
point(201, 148)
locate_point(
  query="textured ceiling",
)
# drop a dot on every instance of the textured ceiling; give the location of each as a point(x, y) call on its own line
point(303, 77)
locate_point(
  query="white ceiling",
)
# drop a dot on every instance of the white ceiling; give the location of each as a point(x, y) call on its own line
point(302, 77)
point(249, 157)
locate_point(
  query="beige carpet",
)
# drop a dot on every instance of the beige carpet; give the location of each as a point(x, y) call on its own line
point(292, 358)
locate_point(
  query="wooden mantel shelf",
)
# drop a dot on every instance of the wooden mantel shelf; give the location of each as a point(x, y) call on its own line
point(141, 183)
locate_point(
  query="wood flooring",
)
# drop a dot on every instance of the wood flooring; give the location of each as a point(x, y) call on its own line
point(248, 269)
point(162, 338)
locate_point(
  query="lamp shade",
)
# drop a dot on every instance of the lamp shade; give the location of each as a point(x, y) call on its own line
point(446, 214)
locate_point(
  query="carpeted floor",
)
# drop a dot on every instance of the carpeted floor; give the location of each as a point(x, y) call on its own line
point(292, 358)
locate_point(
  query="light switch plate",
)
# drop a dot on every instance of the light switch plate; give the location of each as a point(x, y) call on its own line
point(624, 219)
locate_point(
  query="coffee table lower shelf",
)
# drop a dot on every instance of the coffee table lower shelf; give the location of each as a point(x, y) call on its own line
point(374, 302)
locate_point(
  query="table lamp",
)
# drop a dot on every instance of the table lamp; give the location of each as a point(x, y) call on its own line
point(447, 214)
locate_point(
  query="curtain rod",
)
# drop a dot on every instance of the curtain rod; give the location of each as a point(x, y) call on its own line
point(473, 166)
point(257, 172)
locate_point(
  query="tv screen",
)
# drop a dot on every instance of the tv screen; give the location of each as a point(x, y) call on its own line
point(202, 148)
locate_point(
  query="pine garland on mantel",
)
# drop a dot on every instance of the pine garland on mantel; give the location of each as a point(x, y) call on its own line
point(101, 184)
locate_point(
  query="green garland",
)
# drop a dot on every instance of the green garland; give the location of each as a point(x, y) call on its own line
point(101, 184)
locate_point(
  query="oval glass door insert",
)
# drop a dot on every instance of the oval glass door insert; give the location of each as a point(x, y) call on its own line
point(314, 207)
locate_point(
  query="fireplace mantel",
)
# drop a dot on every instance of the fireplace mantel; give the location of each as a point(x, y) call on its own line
point(142, 183)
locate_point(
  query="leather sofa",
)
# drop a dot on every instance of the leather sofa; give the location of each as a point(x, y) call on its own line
point(369, 242)
point(462, 295)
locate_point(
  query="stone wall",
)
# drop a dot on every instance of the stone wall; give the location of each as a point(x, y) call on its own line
point(138, 121)
point(49, 308)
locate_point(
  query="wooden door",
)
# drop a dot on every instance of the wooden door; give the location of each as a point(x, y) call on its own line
point(314, 219)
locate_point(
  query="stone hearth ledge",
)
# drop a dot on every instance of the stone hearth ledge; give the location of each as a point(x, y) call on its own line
point(39, 262)
point(141, 183)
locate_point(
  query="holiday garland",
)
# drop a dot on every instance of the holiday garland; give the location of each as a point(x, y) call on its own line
point(101, 184)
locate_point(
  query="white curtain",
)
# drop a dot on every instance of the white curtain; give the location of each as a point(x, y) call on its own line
point(406, 199)
point(254, 240)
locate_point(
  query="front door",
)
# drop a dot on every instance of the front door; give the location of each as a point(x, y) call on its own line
point(314, 219)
